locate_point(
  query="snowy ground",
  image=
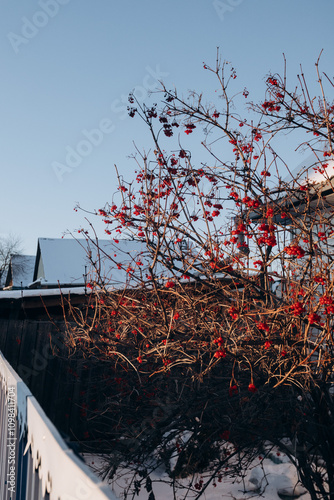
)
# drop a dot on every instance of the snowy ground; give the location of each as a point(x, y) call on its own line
point(273, 478)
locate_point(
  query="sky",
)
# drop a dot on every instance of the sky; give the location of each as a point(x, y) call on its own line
point(67, 67)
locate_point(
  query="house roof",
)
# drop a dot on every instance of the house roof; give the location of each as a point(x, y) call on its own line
point(73, 262)
point(318, 176)
point(311, 171)
point(20, 271)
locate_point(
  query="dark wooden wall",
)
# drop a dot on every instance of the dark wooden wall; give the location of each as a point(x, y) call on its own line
point(62, 385)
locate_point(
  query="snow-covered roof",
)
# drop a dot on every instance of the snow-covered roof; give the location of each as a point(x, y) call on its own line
point(20, 271)
point(44, 293)
point(74, 262)
point(312, 171)
point(318, 175)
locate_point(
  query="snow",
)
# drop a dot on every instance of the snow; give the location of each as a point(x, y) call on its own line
point(19, 294)
point(60, 470)
point(267, 478)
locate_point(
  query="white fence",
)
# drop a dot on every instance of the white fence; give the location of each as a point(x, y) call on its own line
point(35, 462)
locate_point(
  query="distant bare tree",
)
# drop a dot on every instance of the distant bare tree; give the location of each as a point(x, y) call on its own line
point(9, 245)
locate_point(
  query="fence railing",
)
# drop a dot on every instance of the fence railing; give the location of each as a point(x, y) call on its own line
point(35, 462)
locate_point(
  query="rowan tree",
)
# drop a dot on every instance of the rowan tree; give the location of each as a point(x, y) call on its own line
point(220, 343)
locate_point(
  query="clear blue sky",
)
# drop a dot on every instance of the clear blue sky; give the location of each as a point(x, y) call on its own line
point(66, 65)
